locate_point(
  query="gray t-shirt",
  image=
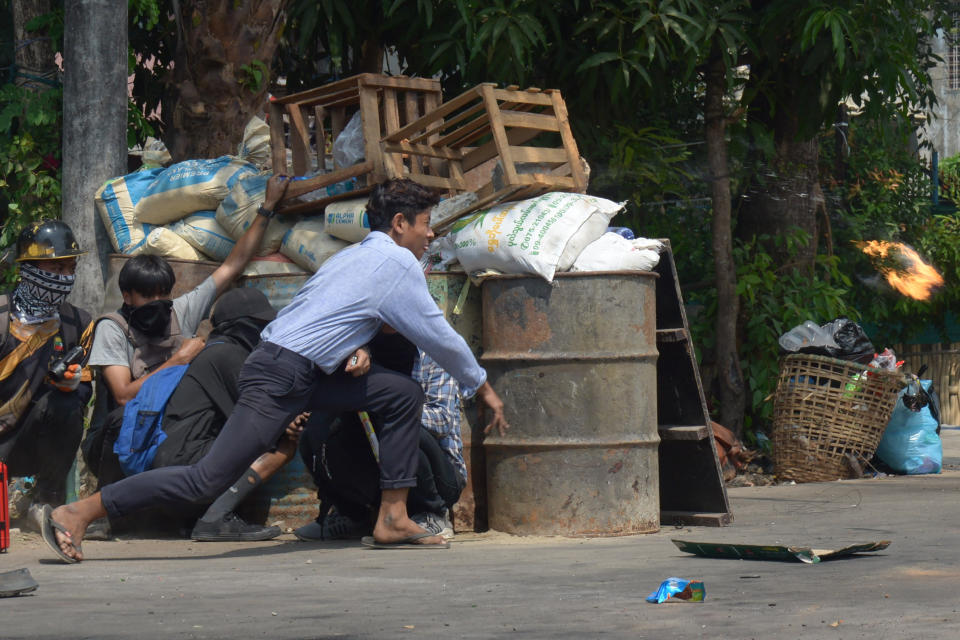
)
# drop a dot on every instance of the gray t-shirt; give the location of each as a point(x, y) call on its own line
point(111, 347)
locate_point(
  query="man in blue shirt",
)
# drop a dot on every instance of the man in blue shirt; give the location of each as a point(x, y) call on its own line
point(311, 358)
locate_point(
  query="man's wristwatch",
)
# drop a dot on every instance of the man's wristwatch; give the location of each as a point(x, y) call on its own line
point(266, 213)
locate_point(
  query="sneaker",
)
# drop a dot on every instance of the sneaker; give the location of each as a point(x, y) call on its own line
point(334, 527)
point(232, 528)
point(432, 523)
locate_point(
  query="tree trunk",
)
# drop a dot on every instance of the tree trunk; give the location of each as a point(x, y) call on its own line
point(217, 81)
point(786, 194)
point(730, 377)
point(94, 129)
point(34, 51)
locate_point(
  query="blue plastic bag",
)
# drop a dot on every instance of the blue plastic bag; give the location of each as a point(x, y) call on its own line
point(910, 444)
point(678, 589)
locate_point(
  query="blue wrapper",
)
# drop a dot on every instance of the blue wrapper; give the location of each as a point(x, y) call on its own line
point(678, 589)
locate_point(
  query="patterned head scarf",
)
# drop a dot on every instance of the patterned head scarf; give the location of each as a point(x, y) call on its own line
point(39, 293)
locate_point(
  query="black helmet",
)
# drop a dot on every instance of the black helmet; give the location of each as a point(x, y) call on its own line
point(47, 240)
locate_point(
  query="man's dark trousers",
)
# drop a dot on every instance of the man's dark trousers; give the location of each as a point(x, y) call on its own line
point(276, 385)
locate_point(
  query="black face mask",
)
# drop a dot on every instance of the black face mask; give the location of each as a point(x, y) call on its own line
point(151, 319)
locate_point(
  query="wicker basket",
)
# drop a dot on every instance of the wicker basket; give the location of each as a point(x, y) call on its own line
point(829, 416)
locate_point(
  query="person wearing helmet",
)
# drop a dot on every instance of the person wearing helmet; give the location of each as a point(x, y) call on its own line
point(43, 387)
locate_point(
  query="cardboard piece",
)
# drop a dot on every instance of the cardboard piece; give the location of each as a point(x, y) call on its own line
point(774, 552)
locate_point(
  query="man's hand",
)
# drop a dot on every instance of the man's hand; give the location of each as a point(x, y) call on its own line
point(276, 188)
point(359, 363)
point(295, 429)
point(70, 379)
point(493, 402)
point(188, 350)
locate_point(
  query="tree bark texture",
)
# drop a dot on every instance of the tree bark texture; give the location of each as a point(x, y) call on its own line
point(214, 91)
point(785, 194)
point(94, 129)
point(730, 376)
point(34, 51)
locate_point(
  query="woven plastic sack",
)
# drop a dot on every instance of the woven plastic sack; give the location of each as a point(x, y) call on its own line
point(164, 242)
point(190, 186)
point(542, 235)
point(116, 201)
point(239, 210)
point(309, 245)
point(255, 147)
point(273, 264)
point(204, 233)
point(613, 252)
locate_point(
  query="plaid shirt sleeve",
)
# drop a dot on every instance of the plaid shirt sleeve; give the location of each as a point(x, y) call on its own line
point(441, 408)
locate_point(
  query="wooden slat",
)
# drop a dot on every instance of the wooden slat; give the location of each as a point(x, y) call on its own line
point(486, 151)
point(672, 335)
point(422, 150)
point(299, 187)
point(546, 155)
point(528, 96)
point(404, 83)
point(569, 143)
point(278, 143)
point(499, 135)
point(447, 124)
point(299, 140)
point(436, 114)
point(437, 182)
point(391, 122)
point(695, 518)
point(523, 120)
point(431, 101)
point(315, 207)
point(411, 111)
point(370, 117)
point(320, 137)
point(562, 183)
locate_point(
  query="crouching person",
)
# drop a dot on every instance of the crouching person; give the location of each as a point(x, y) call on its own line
point(341, 460)
point(42, 394)
point(201, 404)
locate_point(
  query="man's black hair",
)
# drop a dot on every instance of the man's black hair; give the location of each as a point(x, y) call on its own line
point(398, 196)
point(147, 275)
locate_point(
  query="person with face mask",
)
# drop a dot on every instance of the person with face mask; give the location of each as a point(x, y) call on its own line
point(204, 399)
point(42, 395)
point(152, 332)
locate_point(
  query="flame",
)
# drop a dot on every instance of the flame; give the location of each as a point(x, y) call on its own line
point(903, 268)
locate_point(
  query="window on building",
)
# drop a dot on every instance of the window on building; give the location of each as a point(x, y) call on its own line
point(953, 67)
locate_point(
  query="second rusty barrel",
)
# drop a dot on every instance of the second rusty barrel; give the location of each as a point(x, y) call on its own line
point(575, 363)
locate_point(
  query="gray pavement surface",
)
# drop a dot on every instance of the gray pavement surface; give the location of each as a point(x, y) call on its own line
point(494, 585)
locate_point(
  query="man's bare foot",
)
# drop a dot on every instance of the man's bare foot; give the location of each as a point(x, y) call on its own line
point(69, 517)
point(391, 530)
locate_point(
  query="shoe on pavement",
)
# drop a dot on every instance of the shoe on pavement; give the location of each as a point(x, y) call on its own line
point(334, 526)
point(434, 524)
point(232, 528)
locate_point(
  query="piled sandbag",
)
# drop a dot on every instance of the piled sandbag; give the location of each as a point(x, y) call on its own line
point(541, 235)
point(613, 252)
point(202, 231)
point(190, 186)
point(255, 147)
point(347, 219)
point(270, 265)
point(239, 209)
point(309, 245)
point(116, 201)
point(164, 242)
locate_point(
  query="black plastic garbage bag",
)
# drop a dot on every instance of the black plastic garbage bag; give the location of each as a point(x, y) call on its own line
point(852, 342)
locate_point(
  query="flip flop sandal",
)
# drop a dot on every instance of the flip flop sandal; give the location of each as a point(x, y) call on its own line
point(48, 528)
point(406, 543)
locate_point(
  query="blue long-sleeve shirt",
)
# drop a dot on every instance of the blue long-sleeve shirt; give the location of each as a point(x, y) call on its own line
point(343, 305)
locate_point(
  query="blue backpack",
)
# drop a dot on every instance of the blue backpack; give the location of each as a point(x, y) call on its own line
point(141, 432)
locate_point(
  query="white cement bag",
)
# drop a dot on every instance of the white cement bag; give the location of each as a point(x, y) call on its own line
point(239, 210)
point(204, 233)
point(190, 186)
point(542, 235)
point(347, 219)
point(255, 147)
point(613, 252)
point(273, 264)
point(164, 242)
point(309, 245)
point(116, 201)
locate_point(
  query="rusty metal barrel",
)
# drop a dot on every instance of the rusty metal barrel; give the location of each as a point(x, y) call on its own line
point(575, 363)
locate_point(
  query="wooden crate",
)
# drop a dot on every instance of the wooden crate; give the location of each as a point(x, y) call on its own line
point(385, 103)
point(483, 124)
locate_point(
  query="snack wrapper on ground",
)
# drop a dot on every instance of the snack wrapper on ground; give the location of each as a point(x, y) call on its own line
point(678, 589)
